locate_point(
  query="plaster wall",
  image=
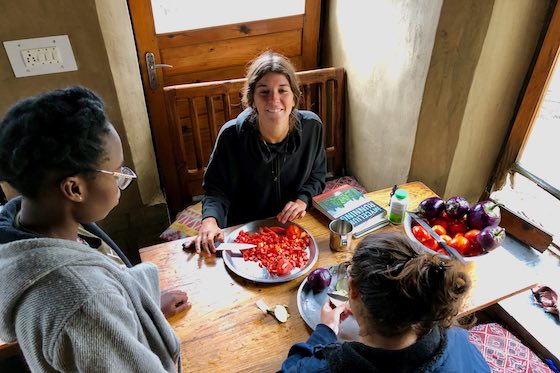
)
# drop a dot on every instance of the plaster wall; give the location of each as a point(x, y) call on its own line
point(385, 47)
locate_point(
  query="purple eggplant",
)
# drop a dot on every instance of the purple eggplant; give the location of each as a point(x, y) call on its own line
point(431, 207)
point(484, 214)
point(457, 207)
point(491, 237)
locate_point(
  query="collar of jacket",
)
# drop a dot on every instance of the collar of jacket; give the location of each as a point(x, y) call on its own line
point(247, 128)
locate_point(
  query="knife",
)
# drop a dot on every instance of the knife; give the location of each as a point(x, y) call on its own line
point(222, 246)
point(340, 297)
point(436, 236)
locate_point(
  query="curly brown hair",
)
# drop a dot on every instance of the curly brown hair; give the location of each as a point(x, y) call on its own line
point(270, 62)
point(403, 286)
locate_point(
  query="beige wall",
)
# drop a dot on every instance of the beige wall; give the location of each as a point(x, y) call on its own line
point(101, 37)
point(432, 86)
point(385, 47)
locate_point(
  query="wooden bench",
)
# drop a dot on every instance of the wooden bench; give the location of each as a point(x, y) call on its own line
point(197, 111)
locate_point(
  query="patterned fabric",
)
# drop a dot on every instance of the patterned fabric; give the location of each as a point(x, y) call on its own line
point(504, 352)
point(331, 184)
point(187, 223)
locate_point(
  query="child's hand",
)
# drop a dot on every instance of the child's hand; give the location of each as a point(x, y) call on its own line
point(331, 317)
point(173, 302)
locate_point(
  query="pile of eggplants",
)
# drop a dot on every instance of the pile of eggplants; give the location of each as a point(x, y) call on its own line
point(484, 216)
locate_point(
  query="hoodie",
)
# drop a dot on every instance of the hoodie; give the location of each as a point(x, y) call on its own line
point(439, 350)
point(71, 308)
point(248, 179)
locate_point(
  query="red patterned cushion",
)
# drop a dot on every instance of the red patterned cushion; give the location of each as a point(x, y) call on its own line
point(504, 352)
point(331, 184)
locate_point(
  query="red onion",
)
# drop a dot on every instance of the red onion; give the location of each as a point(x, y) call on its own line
point(319, 279)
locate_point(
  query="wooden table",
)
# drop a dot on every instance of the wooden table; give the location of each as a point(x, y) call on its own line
point(224, 331)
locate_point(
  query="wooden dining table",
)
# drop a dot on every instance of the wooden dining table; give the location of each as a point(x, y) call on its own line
point(224, 330)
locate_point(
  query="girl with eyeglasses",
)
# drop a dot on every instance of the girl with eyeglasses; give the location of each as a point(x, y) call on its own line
point(69, 296)
point(405, 302)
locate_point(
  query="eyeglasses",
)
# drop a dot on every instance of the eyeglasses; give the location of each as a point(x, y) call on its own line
point(124, 177)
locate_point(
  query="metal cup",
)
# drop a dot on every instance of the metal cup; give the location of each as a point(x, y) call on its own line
point(340, 235)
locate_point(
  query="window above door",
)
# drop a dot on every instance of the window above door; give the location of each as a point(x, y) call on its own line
point(169, 15)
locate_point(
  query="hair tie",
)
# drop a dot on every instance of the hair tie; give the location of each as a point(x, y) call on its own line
point(440, 268)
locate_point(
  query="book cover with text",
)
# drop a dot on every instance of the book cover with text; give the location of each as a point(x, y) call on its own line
point(347, 203)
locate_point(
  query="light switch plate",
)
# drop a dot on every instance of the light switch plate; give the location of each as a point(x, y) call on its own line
point(38, 56)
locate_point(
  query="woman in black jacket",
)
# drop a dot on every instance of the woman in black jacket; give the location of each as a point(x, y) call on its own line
point(269, 161)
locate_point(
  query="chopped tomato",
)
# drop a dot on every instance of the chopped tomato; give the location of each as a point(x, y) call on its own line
point(278, 252)
point(284, 267)
point(293, 232)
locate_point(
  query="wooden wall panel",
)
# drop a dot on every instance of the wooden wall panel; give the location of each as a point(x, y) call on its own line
point(219, 74)
point(234, 31)
point(220, 54)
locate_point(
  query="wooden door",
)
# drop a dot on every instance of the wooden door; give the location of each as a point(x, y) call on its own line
point(212, 53)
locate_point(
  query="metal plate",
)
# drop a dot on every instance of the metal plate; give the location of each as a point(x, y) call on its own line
point(310, 303)
point(251, 270)
point(407, 223)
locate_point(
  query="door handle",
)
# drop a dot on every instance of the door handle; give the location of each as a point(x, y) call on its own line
point(152, 66)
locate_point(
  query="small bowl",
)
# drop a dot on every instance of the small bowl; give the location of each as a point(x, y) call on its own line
point(408, 224)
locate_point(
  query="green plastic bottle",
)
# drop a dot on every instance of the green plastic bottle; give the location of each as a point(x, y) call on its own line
point(399, 203)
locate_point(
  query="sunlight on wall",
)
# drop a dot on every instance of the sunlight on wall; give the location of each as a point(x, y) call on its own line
point(177, 15)
point(379, 44)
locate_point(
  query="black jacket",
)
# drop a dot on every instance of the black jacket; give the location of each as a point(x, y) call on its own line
point(9, 232)
point(247, 179)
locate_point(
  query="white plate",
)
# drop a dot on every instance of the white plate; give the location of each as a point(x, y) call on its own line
point(251, 271)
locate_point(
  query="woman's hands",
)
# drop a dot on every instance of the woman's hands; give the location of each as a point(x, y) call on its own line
point(173, 301)
point(332, 317)
point(208, 234)
point(292, 210)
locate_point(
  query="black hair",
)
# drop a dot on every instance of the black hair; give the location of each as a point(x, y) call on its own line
point(60, 130)
point(403, 286)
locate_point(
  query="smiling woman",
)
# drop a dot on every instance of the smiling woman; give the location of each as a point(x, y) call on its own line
point(270, 157)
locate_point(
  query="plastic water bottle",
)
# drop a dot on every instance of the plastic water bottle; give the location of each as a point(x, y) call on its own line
point(399, 203)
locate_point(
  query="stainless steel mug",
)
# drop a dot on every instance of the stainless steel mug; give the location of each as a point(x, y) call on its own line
point(340, 235)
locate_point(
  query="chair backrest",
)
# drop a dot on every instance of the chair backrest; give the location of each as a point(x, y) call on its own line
point(197, 111)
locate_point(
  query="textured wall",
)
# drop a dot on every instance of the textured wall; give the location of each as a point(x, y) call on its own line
point(432, 86)
point(386, 47)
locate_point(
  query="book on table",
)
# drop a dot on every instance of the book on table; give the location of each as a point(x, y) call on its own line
point(347, 203)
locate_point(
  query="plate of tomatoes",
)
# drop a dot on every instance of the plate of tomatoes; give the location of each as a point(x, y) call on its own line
point(472, 230)
point(283, 252)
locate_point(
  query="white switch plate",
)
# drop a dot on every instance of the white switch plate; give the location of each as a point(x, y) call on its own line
point(38, 56)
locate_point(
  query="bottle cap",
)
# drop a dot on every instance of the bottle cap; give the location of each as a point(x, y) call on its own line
point(401, 194)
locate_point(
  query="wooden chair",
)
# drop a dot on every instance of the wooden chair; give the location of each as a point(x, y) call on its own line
point(197, 111)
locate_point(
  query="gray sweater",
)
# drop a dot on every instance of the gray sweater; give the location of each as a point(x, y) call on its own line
point(72, 309)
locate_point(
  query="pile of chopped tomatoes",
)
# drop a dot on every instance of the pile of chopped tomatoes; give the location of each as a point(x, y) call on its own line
point(278, 249)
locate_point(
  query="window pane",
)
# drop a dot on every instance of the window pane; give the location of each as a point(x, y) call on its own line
point(178, 15)
point(542, 152)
